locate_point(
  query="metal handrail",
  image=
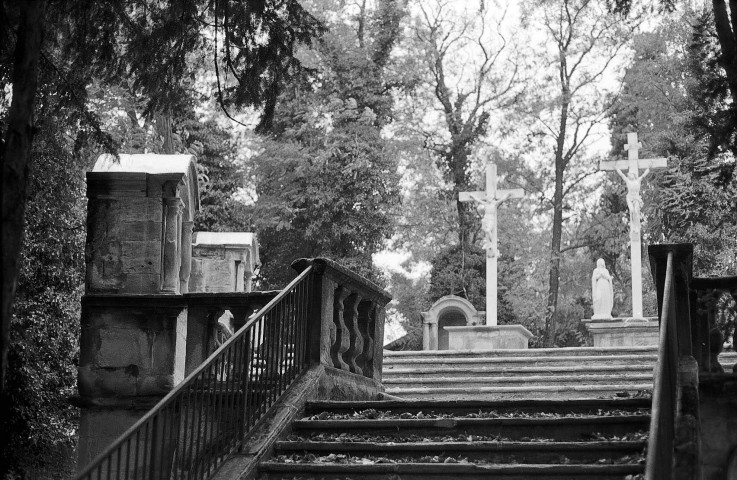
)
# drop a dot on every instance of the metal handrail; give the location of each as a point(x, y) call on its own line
point(191, 431)
point(662, 420)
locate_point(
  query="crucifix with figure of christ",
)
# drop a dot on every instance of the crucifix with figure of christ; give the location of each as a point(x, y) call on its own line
point(487, 204)
point(633, 179)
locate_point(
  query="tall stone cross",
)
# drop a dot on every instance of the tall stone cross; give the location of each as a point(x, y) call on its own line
point(633, 179)
point(487, 204)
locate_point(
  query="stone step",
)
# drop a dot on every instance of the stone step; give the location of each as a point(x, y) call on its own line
point(728, 360)
point(526, 352)
point(555, 428)
point(519, 392)
point(444, 471)
point(539, 361)
point(510, 381)
point(499, 452)
point(459, 407)
point(503, 370)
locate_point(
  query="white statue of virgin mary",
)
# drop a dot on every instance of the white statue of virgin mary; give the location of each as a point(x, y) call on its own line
point(602, 291)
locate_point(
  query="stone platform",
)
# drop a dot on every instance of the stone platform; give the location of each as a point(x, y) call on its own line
point(623, 332)
point(491, 337)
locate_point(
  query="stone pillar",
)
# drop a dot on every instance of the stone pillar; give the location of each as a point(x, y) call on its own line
point(425, 336)
point(186, 263)
point(172, 238)
point(240, 277)
point(429, 331)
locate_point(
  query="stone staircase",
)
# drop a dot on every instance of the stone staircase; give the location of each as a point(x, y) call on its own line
point(544, 414)
point(543, 373)
point(429, 439)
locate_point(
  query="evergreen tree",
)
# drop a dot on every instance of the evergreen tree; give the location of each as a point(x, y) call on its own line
point(326, 180)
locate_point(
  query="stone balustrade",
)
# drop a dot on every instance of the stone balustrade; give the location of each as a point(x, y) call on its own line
point(352, 312)
point(711, 311)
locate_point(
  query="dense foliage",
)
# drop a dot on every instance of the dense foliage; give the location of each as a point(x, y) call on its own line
point(675, 94)
point(326, 179)
point(38, 422)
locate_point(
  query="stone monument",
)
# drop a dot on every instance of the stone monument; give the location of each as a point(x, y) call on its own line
point(602, 291)
point(633, 180)
point(472, 329)
point(634, 330)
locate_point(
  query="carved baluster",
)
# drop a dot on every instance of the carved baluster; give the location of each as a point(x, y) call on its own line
point(356, 339)
point(367, 322)
point(341, 342)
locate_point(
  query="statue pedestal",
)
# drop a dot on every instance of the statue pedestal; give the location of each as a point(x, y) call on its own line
point(488, 337)
point(623, 332)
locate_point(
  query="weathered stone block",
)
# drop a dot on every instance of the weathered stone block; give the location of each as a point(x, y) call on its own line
point(157, 384)
point(718, 417)
point(141, 257)
point(143, 231)
point(99, 428)
point(623, 332)
point(107, 382)
point(488, 337)
point(120, 347)
point(135, 209)
point(141, 283)
point(213, 276)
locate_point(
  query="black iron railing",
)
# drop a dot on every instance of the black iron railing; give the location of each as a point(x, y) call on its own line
point(193, 429)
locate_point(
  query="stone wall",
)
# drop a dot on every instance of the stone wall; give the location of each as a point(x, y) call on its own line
point(718, 417)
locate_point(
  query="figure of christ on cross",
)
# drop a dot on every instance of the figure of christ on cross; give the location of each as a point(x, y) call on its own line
point(634, 203)
point(488, 202)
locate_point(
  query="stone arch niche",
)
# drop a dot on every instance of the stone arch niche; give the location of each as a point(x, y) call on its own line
point(139, 223)
point(448, 311)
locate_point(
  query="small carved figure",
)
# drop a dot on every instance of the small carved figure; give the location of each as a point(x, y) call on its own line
point(602, 291)
point(487, 210)
point(634, 201)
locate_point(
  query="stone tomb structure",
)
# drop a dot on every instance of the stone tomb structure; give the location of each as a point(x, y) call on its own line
point(452, 323)
point(144, 322)
point(223, 261)
point(139, 223)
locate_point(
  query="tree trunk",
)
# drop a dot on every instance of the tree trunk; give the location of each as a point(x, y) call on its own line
point(554, 278)
point(16, 154)
point(727, 34)
point(459, 165)
point(162, 121)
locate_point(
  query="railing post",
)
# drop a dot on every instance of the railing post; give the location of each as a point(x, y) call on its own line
point(683, 273)
point(674, 444)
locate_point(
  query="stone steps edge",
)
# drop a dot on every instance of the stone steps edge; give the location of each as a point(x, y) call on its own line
point(466, 360)
point(542, 402)
point(529, 351)
point(553, 389)
point(521, 370)
point(294, 445)
point(460, 422)
point(451, 469)
point(597, 379)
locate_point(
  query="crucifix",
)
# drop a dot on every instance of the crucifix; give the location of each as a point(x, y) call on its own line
point(487, 204)
point(633, 179)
